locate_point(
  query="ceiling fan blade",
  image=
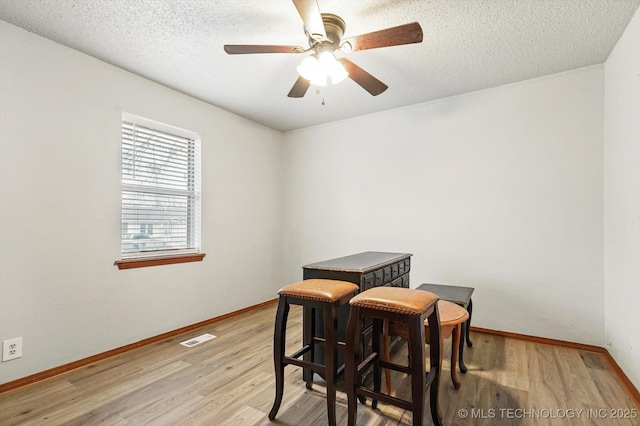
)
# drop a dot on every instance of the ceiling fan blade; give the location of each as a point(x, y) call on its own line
point(402, 34)
point(310, 14)
point(239, 49)
point(363, 78)
point(299, 88)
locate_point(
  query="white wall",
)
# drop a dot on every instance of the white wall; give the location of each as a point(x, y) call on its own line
point(499, 189)
point(622, 201)
point(60, 114)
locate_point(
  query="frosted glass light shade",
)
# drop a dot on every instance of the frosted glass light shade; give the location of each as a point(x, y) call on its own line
point(308, 68)
point(318, 69)
point(331, 67)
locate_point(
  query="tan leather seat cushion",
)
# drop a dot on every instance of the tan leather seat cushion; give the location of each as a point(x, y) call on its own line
point(316, 289)
point(450, 316)
point(395, 299)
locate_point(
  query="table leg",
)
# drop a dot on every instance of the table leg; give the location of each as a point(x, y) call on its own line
point(470, 310)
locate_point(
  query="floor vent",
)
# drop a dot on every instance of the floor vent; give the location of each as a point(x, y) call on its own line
point(197, 340)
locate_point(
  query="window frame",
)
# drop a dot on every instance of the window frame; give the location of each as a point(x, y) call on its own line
point(139, 259)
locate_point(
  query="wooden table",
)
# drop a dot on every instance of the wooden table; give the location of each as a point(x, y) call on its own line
point(367, 270)
point(460, 296)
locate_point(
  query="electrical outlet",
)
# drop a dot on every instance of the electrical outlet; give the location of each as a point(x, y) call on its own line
point(11, 349)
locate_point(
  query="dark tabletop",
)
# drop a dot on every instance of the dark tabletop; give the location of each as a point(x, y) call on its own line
point(455, 294)
point(360, 262)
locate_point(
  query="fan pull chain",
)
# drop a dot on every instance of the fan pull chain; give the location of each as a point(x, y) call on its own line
point(318, 92)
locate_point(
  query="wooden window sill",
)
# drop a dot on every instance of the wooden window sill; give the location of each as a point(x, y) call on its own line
point(156, 261)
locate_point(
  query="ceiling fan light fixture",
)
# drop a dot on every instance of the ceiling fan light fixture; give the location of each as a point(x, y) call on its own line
point(320, 80)
point(308, 68)
point(321, 67)
point(324, 33)
point(332, 67)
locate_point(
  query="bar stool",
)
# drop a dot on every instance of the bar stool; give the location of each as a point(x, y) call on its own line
point(452, 317)
point(327, 295)
point(407, 306)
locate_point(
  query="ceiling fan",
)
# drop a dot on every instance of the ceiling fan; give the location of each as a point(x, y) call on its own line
point(324, 32)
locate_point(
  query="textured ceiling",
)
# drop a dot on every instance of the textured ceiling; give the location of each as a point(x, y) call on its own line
point(468, 45)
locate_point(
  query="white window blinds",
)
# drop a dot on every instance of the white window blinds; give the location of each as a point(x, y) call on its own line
point(160, 192)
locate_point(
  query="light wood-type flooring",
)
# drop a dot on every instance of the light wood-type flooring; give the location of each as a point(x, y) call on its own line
point(229, 381)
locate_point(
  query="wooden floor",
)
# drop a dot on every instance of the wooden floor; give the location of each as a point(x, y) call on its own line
point(229, 380)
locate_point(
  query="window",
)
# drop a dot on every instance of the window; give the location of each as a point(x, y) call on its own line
point(160, 191)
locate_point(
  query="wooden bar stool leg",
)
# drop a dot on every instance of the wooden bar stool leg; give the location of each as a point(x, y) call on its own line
point(455, 342)
point(279, 340)
point(465, 335)
point(376, 346)
point(386, 355)
point(308, 333)
point(352, 355)
point(435, 361)
point(418, 367)
point(330, 313)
